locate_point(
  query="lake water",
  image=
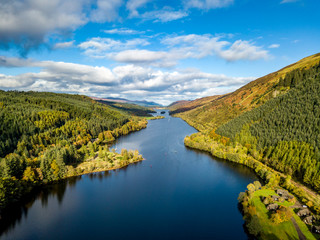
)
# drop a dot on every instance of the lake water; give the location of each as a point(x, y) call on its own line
point(176, 193)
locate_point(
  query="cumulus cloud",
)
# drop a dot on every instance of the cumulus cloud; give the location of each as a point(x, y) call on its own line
point(172, 49)
point(15, 62)
point(208, 4)
point(101, 47)
point(274, 46)
point(288, 1)
point(164, 15)
point(123, 31)
point(64, 45)
point(243, 50)
point(133, 5)
point(136, 56)
point(105, 10)
point(129, 81)
point(27, 23)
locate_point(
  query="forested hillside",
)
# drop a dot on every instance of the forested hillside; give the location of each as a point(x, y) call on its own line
point(204, 114)
point(279, 139)
point(46, 137)
point(285, 131)
point(129, 108)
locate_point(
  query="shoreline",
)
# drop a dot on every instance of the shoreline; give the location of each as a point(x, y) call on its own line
point(104, 170)
point(272, 178)
point(25, 187)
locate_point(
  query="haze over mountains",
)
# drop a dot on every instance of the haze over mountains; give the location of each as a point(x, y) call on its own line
point(159, 51)
point(143, 103)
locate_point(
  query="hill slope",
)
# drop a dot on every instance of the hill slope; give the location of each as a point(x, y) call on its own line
point(45, 137)
point(211, 112)
point(25, 114)
point(285, 130)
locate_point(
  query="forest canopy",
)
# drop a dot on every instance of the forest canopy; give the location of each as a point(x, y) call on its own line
point(46, 136)
point(285, 131)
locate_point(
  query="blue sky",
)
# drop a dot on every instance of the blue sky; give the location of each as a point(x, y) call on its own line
point(160, 51)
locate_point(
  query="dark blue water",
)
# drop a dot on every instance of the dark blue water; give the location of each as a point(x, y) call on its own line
point(176, 193)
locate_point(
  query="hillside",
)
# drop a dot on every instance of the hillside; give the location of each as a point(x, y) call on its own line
point(46, 137)
point(211, 112)
point(285, 130)
point(24, 114)
point(129, 108)
point(184, 106)
point(178, 104)
point(278, 136)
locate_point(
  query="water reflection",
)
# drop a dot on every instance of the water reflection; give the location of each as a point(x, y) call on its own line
point(176, 193)
point(242, 170)
point(14, 214)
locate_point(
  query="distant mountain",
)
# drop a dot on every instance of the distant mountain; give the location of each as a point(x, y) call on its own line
point(123, 100)
point(211, 112)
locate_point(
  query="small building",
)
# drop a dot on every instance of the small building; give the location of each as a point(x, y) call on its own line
point(308, 220)
point(285, 194)
point(316, 229)
point(272, 206)
point(303, 212)
point(275, 197)
point(282, 192)
point(288, 197)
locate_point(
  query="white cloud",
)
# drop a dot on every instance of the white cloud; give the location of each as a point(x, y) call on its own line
point(127, 81)
point(15, 62)
point(274, 46)
point(133, 5)
point(173, 49)
point(194, 46)
point(100, 47)
point(26, 24)
point(123, 31)
point(208, 4)
point(64, 45)
point(106, 10)
point(243, 50)
point(165, 15)
point(155, 58)
point(288, 1)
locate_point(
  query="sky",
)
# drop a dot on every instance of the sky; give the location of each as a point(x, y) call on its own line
point(158, 50)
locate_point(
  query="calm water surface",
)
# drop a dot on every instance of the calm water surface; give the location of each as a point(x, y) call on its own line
point(176, 193)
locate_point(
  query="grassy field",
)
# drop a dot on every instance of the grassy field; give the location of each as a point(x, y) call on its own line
point(284, 230)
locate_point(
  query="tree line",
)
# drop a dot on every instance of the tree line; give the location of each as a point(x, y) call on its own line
point(46, 137)
point(284, 133)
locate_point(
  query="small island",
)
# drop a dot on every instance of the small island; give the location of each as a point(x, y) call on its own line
point(155, 118)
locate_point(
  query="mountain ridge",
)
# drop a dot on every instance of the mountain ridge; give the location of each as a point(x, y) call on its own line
point(143, 103)
point(213, 111)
